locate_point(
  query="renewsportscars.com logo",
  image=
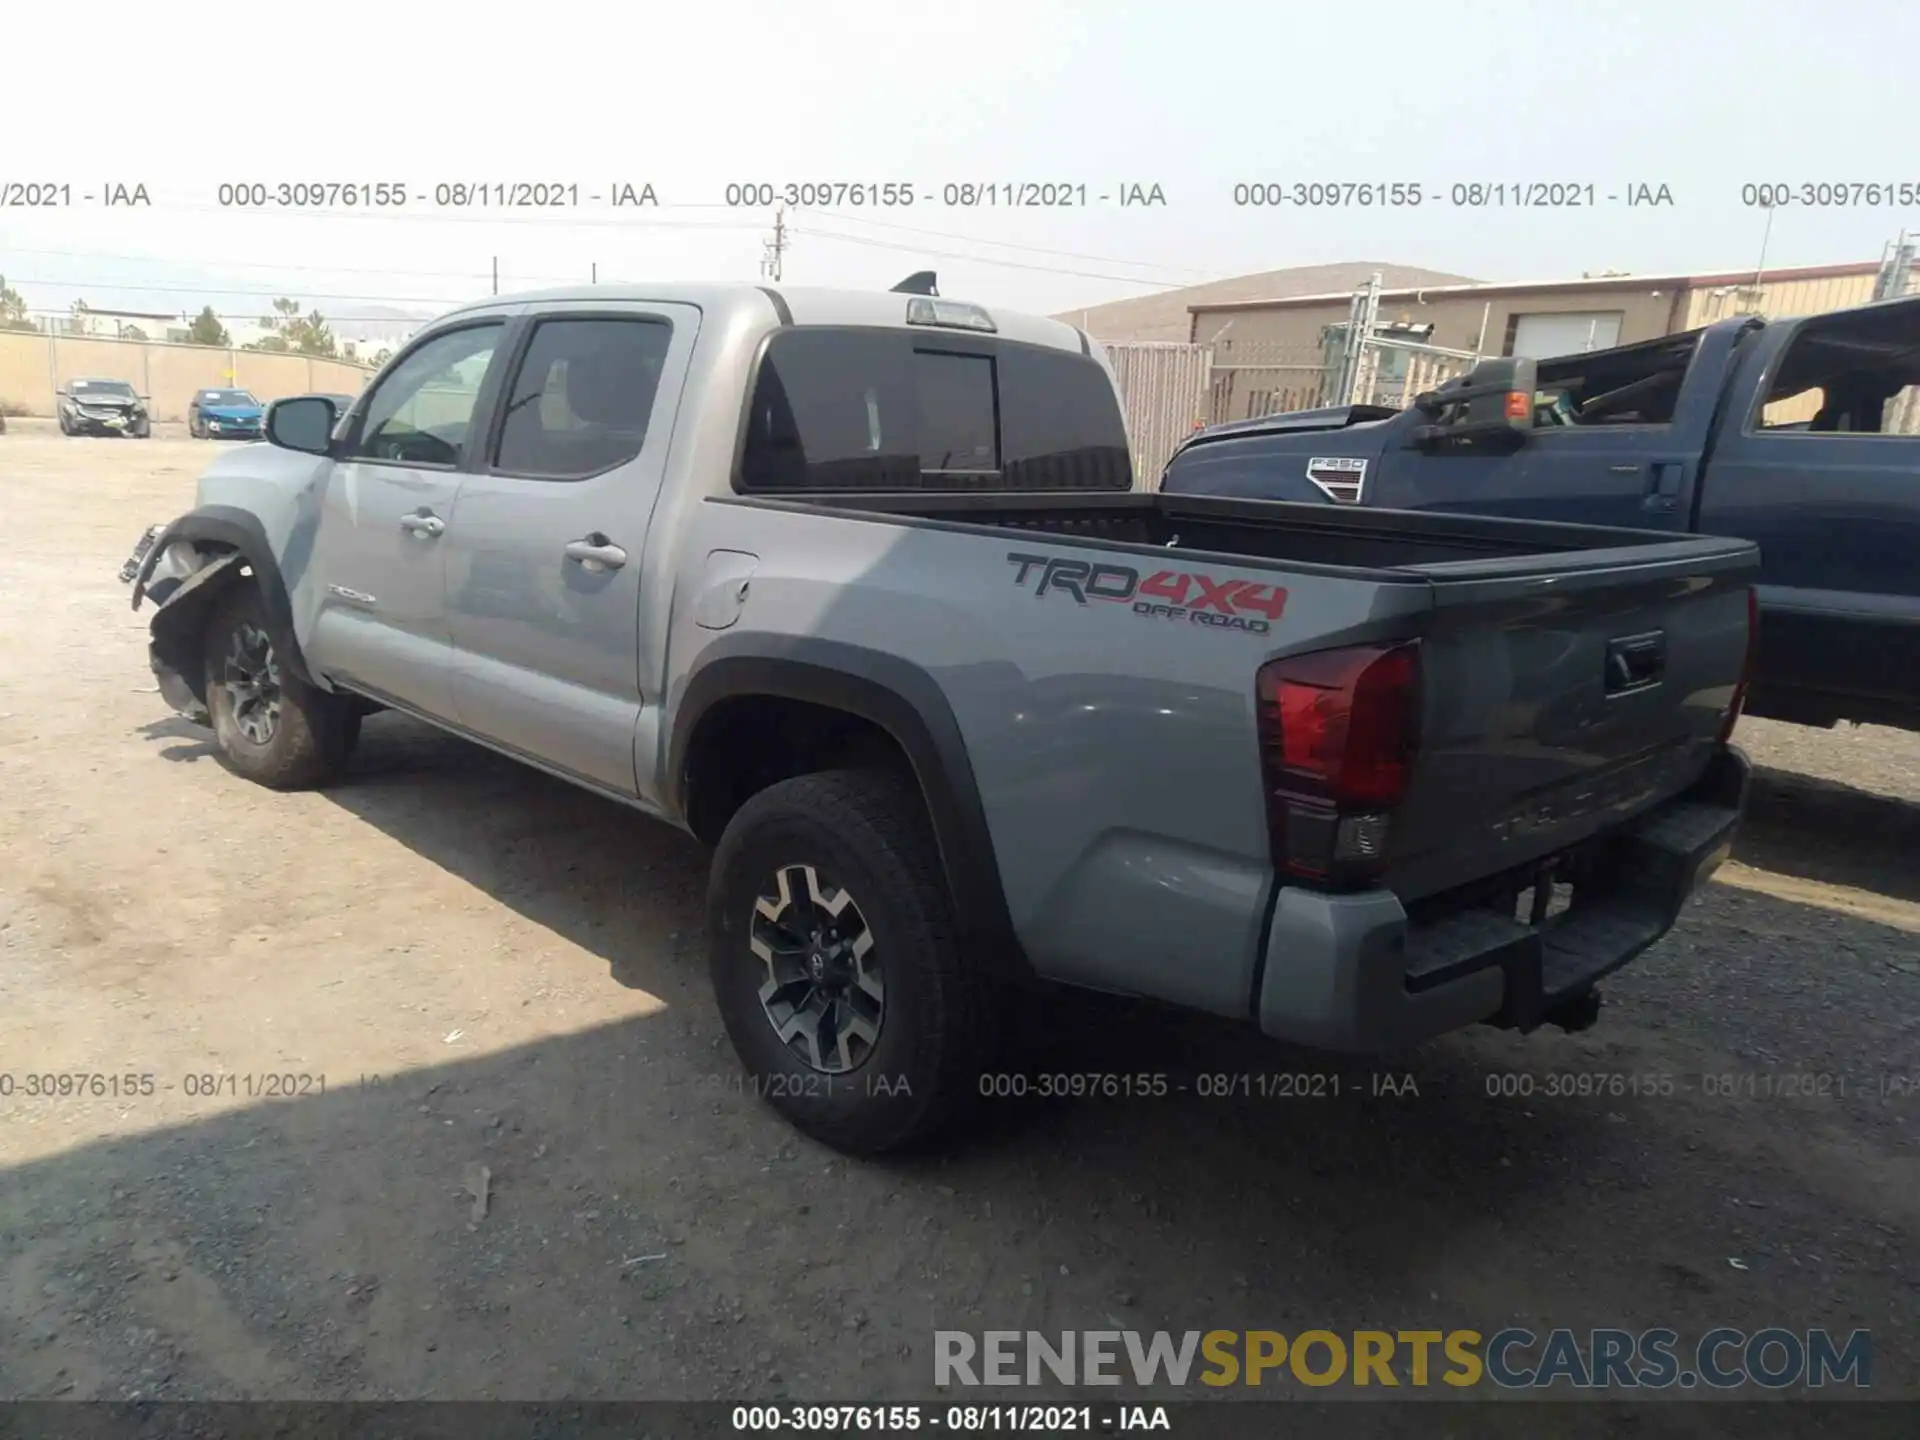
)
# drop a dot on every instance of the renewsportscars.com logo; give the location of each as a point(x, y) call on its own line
point(1511, 1359)
point(1186, 595)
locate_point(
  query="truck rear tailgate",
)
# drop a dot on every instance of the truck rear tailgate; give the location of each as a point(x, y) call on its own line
point(1563, 694)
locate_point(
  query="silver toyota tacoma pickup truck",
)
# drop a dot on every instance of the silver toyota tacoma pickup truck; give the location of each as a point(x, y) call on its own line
point(860, 591)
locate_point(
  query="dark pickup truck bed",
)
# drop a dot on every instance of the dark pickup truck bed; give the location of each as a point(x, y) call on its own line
point(1801, 435)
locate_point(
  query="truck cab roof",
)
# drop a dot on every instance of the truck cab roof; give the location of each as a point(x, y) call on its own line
point(795, 305)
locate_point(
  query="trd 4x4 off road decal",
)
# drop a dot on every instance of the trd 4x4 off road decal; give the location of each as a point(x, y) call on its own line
point(1186, 595)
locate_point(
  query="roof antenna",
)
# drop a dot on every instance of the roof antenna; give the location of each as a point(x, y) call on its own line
point(919, 283)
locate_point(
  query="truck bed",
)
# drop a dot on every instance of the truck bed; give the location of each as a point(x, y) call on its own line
point(1315, 537)
point(1530, 742)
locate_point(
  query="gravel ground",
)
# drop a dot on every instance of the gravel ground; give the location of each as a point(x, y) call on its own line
point(487, 969)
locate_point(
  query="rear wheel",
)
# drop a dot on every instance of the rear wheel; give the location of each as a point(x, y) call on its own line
point(271, 726)
point(835, 963)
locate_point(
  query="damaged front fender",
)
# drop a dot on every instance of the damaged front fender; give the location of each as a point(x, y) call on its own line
point(183, 568)
point(175, 650)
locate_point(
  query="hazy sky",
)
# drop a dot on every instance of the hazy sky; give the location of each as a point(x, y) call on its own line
point(1700, 97)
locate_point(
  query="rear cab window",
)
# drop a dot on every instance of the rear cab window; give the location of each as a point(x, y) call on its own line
point(837, 409)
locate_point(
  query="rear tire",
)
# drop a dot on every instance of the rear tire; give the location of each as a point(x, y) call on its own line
point(827, 899)
point(271, 726)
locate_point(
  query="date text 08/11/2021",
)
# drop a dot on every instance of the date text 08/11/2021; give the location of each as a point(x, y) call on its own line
point(1104, 1419)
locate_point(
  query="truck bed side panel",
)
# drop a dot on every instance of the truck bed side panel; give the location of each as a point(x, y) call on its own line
point(1114, 751)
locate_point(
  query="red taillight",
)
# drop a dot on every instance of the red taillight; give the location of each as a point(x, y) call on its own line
point(1747, 667)
point(1337, 736)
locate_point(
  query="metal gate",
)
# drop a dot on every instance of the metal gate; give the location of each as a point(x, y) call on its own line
point(1163, 388)
point(1170, 390)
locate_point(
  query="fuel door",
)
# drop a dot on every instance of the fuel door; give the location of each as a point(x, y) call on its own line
point(724, 586)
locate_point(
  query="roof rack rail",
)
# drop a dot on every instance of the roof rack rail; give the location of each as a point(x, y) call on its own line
point(921, 282)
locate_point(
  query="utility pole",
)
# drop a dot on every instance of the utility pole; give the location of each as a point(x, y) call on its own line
point(776, 247)
point(496, 274)
point(595, 280)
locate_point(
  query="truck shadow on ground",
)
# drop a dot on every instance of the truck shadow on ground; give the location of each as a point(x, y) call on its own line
point(1833, 833)
point(653, 1229)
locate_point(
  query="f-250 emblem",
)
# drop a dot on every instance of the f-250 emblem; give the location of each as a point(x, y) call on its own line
point(1189, 596)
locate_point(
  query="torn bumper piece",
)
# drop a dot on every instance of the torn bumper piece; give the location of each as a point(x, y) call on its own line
point(179, 578)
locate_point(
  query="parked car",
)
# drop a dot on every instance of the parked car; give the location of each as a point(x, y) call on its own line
point(856, 588)
point(1802, 435)
point(224, 415)
point(103, 407)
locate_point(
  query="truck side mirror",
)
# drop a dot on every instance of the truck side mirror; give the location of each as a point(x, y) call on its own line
point(301, 422)
point(1493, 401)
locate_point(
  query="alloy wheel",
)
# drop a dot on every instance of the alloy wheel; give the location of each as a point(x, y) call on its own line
point(251, 678)
point(824, 994)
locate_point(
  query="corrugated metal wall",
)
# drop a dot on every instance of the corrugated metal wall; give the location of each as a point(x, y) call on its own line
point(1775, 299)
point(1163, 387)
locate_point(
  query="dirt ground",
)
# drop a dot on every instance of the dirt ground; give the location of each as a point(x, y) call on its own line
point(484, 967)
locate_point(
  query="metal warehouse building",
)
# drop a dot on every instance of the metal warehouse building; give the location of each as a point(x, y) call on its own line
point(1541, 318)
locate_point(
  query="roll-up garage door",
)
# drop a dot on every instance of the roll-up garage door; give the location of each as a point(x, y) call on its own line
point(1539, 337)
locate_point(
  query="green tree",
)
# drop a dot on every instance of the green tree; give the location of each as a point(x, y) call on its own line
point(13, 309)
point(206, 329)
point(289, 330)
point(312, 336)
point(133, 332)
point(82, 318)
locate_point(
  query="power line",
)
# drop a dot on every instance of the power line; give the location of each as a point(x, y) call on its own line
point(549, 219)
point(268, 265)
point(975, 259)
point(276, 292)
point(1011, 245)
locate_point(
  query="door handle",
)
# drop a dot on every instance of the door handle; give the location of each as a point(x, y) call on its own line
point(428, 525)
point(596, 552)
point(1664, 478)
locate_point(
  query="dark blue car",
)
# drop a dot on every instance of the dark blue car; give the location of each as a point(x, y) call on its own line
point(224, 415)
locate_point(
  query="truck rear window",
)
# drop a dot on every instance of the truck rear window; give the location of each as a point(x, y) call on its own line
point(875, 409)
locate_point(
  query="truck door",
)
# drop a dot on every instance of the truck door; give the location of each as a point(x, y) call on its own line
point(1820, 463)
point(547, 540)
point(381, 621)
point(1617, 440)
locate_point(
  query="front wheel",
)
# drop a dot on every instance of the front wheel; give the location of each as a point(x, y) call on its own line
point(835, 964)
point(271, 726)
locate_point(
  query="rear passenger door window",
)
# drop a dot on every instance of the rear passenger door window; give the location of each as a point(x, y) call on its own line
point(582, 398)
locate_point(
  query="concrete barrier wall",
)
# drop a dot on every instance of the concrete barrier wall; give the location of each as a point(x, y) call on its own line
point(34, 366)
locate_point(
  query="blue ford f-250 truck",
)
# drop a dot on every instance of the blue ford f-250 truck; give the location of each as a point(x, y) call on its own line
point(1803, 435)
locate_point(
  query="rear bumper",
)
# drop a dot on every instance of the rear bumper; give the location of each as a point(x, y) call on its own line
point(1350, 972)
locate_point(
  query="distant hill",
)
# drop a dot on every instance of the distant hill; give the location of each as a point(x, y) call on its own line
point(1163, 316)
